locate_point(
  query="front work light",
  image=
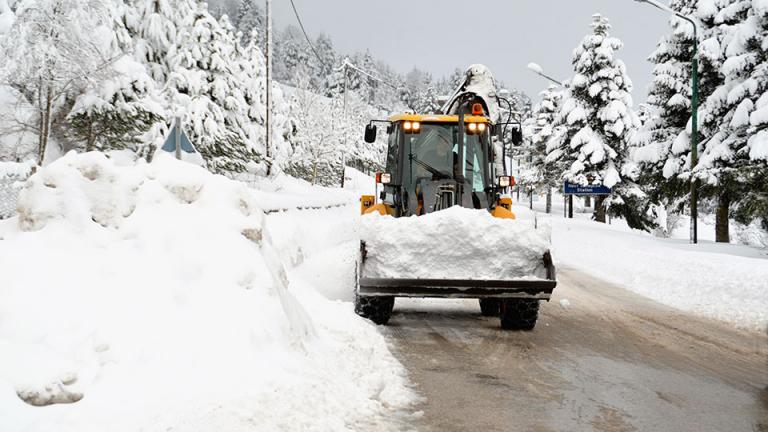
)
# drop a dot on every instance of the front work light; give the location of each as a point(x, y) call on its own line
point(411, 127)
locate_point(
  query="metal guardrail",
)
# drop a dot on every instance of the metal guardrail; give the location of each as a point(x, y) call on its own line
point(9, 194)
point(301, 208)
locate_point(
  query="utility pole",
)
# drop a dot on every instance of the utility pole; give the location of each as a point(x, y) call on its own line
point(344, 114)
point(268, 119)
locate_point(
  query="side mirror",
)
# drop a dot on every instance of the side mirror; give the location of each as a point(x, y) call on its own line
point(370, 133)
point(517, 137)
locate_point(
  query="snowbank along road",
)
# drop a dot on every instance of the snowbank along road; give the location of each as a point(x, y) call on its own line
point(601, 358)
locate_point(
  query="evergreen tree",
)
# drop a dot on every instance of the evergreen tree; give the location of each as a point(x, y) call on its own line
point(324, 70)
point(596, 122)
point(735, 113)
point(250, 18)
point(541, 133)
point(204, 90)
point(117, 112)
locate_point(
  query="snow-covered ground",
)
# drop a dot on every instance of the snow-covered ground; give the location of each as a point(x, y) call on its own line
point(721, 281)
point(160, 297)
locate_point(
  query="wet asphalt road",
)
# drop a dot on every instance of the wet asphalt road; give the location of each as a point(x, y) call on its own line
point(611, 361)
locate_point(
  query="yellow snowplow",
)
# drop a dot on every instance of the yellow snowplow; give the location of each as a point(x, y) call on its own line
point(446, 170)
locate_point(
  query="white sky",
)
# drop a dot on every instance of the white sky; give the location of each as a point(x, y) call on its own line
point(438, 36)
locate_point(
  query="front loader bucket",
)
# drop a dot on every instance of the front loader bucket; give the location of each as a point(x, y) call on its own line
point(539, 289)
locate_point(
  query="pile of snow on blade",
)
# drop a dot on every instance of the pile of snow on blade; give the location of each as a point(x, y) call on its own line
point(455, 243)
point(150, 297)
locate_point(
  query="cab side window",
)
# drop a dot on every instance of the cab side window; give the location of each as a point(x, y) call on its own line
point(393, 145)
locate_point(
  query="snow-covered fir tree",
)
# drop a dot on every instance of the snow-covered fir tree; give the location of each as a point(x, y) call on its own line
point(419, 92)
point(595, 123)
point(250, 18)
point(664, 141)
point(542, 131)
point(735, 115)
point(205, 91)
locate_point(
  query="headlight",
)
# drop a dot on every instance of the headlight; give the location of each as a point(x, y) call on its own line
point(407, 126)
point(383, 178)
point(472, 127)
point(506, 181)
point(481, 127)
point(416, 126)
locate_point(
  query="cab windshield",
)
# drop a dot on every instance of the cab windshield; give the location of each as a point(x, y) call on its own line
point(433, 154)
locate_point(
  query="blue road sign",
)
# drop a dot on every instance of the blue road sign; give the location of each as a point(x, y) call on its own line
point(170, 142)
point(576, 189)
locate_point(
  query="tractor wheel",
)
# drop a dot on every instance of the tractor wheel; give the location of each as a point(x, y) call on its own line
point(519, 314)
point(376, 308)
point(489, 307)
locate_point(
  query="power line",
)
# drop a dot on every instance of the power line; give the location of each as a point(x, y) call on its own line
point(309, 41)
point(348, 63)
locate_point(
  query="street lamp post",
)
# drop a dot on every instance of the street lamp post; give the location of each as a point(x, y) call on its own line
point(540, 72)
point(567, 202)
point(694, 115)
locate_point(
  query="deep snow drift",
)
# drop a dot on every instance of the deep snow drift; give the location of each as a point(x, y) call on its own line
point(158, 297)
point(456, 243)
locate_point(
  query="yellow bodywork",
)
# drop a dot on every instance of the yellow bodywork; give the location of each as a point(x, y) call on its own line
point(437, 118)
point(368, 205)
point(504, 209)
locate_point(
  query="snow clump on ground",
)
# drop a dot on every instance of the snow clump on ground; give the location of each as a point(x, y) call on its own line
point(456, 243)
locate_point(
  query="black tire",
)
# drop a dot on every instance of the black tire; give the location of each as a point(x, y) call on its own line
point(489, 307)
point(375, 308)
point(519, 314)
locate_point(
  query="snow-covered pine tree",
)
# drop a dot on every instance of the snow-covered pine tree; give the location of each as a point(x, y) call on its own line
point(664, 141)
point(669, 102)
point(151, 31)
point(326, 67)
point(294, 58)
point(204, 90)
point(735, 115)
point(418, 93)
point(363, 85)
point(116, 112)
point(250, 17)
point(596, 121)
point(543, 128)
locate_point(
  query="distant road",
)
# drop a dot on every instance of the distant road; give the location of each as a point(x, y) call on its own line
point(610, 361)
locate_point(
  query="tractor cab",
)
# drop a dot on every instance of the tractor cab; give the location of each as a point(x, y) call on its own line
point(438, 161)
